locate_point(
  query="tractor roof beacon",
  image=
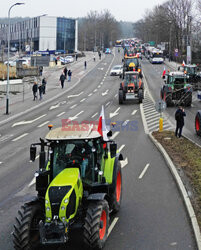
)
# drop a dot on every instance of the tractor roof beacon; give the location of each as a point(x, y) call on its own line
point(176, 89)
point(79, 182)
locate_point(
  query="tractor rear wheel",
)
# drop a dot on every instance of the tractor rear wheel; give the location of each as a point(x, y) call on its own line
point(140, 95)
point(96, 225)
point(167, 97)
point(26, 234)
point(198, 123)
point(116, 195)
point(121, 96)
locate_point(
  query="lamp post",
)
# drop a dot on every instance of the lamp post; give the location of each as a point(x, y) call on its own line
point(7, 87)
point(170, 22)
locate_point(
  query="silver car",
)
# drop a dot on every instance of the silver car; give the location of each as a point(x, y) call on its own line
point(116, 70)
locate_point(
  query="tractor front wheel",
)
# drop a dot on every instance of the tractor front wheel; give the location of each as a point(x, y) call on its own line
point(198, 123)
point(116, 194)
point(26, 234)
point(96, 225)
point(121, 96)
point(140, 95)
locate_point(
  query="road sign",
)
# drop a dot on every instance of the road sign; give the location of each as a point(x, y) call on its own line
point(160, 106)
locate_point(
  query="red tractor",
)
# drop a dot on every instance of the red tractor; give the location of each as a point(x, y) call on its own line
point(131, 88)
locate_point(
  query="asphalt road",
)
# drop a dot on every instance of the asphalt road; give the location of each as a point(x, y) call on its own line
point(152, 216)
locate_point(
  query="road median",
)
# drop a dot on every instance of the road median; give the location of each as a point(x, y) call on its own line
point(184, 161)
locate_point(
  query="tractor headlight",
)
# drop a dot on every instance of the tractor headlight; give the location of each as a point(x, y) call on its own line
point(62, 208)
point(46, 201)
point(49, 219)
point(48, 209)
point(66, 201)
point(63, 218)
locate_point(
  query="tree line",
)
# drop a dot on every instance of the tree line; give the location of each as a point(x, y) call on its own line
point(176, 22)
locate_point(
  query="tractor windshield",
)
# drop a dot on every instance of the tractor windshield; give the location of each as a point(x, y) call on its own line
point(132, 60)
point(131, 79)
point(178, 80)
point(191, 70)
point(77, 153)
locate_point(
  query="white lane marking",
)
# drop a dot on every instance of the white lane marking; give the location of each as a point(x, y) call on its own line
point(143, 119)
point(19, 137)
point(28, 122)
point(107, 104)
point(152, 121)
point(134, 112)
point(81, 73)
point(144, 171)
point(76, 116)
point(125, 123)
point(32, 182)
point(99, 86)
point(72, 107)
point(95, 90)
point(43, 124)
point(112, 225)
point(150, 113)
point(115, 95)
point(90, 94)
point(5, 137)
point(122, 146)
point(1, 162)
point(62, 113)
point(105, 93)
point(115, 112)
point(149, 116)
point(83, 99)
point(94, 115)
point(101, 83)
point(115, 135)
point(124, 163)
point(76, 95)
point(154, 126)
point(55, 106)
point(100, 68)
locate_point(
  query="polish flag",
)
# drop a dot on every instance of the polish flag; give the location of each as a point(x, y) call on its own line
point(164, 72)
point(102, 129)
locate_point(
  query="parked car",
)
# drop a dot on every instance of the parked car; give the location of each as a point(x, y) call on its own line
point(12, 63)
point(67, 59)
point(116, 70)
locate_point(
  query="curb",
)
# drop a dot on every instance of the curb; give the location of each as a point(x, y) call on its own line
point(182, 190)
point(49, 100)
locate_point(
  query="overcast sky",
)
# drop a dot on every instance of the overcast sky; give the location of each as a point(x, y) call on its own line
point(129, 10)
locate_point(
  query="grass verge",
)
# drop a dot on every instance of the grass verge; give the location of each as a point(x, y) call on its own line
point(187, 157)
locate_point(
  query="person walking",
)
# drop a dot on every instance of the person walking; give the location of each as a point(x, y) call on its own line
point(99, 56)
point(69, 75)
point(85, 64)
point(94, 58)
point(62, 79)
point(41, 70)
point(65, 71)
point(44, 82)
point(40, 88)
point(179, 117)
point(35, 90)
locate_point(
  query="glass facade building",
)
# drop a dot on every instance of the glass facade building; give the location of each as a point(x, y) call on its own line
point(42, 33)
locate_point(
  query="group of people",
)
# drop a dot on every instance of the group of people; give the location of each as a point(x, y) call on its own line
point(41, 88)
point(64, 75)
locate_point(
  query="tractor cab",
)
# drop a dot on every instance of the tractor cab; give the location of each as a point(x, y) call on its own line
point(131, 63)
point(192, 73)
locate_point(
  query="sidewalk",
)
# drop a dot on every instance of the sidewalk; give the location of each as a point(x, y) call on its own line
point(173, 65)
point(53, 88)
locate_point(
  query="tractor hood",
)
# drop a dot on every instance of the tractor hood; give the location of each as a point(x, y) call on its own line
point(67, 177)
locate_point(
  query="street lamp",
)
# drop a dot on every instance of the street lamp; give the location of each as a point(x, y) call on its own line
point(170, 22)
point(7, 87)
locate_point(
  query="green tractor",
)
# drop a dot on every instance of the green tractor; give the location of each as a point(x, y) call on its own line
point(78, 184)
point(176, 90)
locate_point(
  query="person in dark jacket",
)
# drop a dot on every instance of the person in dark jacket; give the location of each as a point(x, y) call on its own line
point(35, 90)
point(44, 82)
point(65, 71)
point(179, 117)
point(69, 75)
point(85, 64)
point(62, 79)
point(40, 88)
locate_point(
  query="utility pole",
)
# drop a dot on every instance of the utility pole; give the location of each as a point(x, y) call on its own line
point(188, 49)
point(170, 22)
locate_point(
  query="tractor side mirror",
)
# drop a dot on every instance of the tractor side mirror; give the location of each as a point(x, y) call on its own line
point(42, 159)
point(121, 157)
point(109, 134)
point(32, 153)
point(113, 149)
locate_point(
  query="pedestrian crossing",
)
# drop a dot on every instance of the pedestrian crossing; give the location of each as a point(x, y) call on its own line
point(151, 116)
